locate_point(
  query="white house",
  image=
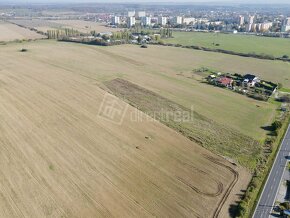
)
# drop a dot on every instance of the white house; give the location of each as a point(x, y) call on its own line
point(250, 80)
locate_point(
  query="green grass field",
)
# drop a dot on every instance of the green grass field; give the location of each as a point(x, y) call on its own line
point(238, 43)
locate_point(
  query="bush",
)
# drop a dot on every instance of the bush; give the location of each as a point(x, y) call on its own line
point(160, 42)
point(285, 205)
point(270, 140)
point(285, 98)
point(276, 125)
point(23, 50)
point(241, 210)
point(259, 97)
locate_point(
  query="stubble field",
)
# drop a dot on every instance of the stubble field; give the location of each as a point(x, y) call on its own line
point(10, 32)
point(158, 69)
point(80, 25)
point(60, 159)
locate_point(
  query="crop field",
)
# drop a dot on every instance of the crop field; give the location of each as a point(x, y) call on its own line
point(168, 72)
point(39, 24)
point(191, 124)
point(61, 157)
point(11, 32)
point(85, 26)
point(80, 25)
point(232, 42)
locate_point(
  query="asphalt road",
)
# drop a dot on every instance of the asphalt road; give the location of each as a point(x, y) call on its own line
point(267, 199)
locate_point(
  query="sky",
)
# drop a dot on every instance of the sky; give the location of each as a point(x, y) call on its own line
point(155, 1)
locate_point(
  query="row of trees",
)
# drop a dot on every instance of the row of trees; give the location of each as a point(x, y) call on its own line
point(62, 33)
point(166, 33)
point(125, 35)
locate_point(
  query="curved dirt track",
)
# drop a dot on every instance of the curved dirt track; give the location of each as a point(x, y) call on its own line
point(228, 191)
point(215, 194)
point(125, 90)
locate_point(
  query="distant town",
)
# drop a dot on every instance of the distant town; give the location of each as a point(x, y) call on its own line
point(240, 23)
point(145, 109)
point(266, 21)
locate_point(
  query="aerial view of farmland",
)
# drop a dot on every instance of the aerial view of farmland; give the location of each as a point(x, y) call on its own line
point(144, 109)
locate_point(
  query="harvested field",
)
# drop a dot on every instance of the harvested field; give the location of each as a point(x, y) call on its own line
point(59, 158)
point(157, 69)
point(211, 135)
point(80, 25)
point(86, 26)
point(11, 32)
point(39, 24)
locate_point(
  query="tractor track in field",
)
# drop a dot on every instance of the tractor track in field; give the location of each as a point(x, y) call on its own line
point(231, 186)
point(125, 86)
point(217, 193)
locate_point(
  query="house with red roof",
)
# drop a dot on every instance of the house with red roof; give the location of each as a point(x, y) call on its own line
point(225, 81)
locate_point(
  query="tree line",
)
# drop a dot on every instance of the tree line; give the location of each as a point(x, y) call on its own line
point(62, 33)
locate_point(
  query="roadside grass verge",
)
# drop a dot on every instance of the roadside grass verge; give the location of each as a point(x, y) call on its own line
point(247, 206)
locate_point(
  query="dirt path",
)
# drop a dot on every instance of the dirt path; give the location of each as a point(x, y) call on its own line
point(230, 188)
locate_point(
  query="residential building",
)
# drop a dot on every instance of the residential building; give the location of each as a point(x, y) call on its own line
point(285, 28)
point(106, 33)
point(131, 21)
point(250, 27)
point(202, 20)
point(266, 26)
point(115, 20)
point(241, 20)
point(250, 80)
point(188, 20)
point(141, 14)
point(146, 21)
point(257, 27)
point(225, 81)
point(177, 20)
point(162, 21)
point(131, 13)
point(286, 25)
point(286, 22)
point(251, 19)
